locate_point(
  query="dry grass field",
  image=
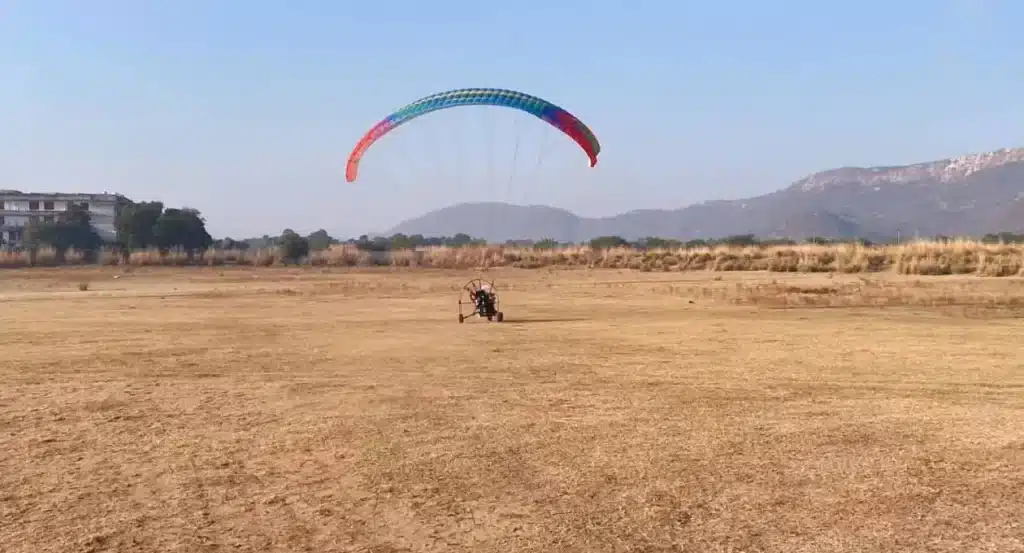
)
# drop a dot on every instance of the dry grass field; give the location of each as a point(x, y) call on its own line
point(314, 409)
point(957, 257)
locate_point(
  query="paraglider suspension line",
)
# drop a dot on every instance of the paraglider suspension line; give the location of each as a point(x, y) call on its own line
point(540, 154)
point(515, 158)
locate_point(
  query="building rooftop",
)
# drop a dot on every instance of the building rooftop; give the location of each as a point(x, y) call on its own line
point(11, 194)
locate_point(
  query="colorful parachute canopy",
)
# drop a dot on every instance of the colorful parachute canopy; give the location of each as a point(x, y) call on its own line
point(556, 116)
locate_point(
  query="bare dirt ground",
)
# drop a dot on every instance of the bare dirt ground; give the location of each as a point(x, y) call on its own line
point(307, 410)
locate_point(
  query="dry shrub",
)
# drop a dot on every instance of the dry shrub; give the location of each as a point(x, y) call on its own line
point(865, 292)
point(961, 257)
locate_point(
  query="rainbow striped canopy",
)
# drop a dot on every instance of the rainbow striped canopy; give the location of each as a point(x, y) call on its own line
point(538, 107)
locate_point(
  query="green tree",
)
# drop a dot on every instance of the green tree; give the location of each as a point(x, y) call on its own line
point(184, 229)
point(136, 224)
point(739, 240)
point(460, 239)
point(1003, 238)
point(545, 244)
point(72, 230)
point(292, 246)
point(655, 243)
point(265, 241)
point(605, 242)
point(778, 242)
point(228, 243)
point(320, 240)
point(376, 244)
point(400, 242)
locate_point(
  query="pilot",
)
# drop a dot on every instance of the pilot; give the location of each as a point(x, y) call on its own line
point(480, 296)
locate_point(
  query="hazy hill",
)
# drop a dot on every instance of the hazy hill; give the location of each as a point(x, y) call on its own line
point(966, 195)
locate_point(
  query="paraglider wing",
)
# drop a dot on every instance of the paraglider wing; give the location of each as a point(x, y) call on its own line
point(554, 115)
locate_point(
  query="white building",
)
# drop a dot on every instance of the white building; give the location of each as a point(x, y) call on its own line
point(19, 209)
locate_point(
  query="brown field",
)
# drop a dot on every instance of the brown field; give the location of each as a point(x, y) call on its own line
point(316, 409)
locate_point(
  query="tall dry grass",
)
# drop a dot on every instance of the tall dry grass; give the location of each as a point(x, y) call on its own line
point(920, 258)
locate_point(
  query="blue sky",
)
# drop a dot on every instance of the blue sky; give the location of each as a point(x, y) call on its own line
point(246, 110)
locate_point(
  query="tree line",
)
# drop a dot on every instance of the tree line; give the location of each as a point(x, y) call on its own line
point(293, 246)
point(138, 226)
point(146, 225)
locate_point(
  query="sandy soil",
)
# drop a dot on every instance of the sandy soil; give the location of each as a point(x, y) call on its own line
point(171, 410)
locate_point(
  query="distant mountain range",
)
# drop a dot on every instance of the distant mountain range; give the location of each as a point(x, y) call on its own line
point(963, 196)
